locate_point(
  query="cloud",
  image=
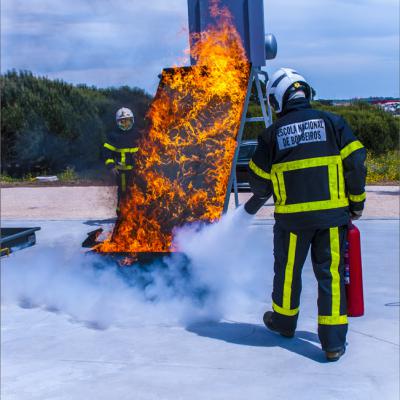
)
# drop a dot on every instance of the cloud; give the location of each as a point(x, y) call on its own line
point(341, 46)
point(78, 40)
point(51, 38)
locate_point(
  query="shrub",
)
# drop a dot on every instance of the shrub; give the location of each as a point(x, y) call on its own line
point(384, 168)
point(376, 129)
point(68, 175)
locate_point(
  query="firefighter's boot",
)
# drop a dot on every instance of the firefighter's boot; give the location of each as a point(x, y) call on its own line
point(335, 355)
point(268, 321)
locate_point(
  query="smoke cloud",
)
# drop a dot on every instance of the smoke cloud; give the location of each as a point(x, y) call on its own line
point(221, 271)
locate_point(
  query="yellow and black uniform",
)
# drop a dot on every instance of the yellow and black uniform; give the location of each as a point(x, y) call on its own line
point(313, 165)
point(119, 152)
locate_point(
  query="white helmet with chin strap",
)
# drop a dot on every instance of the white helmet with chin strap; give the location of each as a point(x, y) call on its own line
point(124, 118)
point(282, 84)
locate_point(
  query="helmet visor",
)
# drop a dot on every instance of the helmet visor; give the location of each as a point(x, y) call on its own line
point(125, 123)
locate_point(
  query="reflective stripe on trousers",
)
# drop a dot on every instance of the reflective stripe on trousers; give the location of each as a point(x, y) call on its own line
point(334, 317)
point(123, 181)
point(290, 252)
point(285, 307)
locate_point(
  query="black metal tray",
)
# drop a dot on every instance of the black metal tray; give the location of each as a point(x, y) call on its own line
point(12, 239)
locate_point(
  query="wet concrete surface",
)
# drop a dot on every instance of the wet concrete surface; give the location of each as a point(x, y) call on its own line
point(47, 355)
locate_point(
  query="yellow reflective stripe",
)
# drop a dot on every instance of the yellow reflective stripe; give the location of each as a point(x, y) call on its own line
point(282, 188)
point(258, 171)
point(357, 197)
point(124, 167)
point(334, 269)
point(284, 311)
point(342, 192)
point(123, 158)
point(333, 181)
point(335, 320)
point(306, 163)
point(311, 206)
point(110, 147)
point(275, 185)
point(5, 250)
point(123, 182)
point(287, 286)
point(121, 150)
point(350, 148)
point(337, 199)
point(109, 161)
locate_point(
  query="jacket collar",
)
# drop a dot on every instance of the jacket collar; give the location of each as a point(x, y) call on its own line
point(295, 105)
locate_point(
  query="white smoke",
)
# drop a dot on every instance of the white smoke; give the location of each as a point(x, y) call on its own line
point(230, 259)
point(222, 273)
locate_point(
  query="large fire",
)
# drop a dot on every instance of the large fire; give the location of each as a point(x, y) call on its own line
point(185, 158)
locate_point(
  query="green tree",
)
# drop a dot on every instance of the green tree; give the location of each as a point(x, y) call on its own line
point(49, 125)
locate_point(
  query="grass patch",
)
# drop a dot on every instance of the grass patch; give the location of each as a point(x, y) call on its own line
point(4, 178)
point(384, 168)
point(68, 175)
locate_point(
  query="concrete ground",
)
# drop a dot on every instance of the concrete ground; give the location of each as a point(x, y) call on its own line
point(91, 202)
point(70, 332)
point(52, 349)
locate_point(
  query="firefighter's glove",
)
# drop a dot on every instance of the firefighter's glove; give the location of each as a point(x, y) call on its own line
point(254, 204)
point(354, 215)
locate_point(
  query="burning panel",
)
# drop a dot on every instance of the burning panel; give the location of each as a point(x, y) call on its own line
point(248, 17)
point(185, 158)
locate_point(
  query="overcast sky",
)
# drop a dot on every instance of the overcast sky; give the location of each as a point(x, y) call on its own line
point(346, 48)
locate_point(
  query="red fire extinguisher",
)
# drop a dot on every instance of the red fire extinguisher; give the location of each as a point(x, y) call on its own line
point(353, 273)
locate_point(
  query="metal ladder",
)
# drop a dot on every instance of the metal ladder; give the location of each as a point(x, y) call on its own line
point(266, 117)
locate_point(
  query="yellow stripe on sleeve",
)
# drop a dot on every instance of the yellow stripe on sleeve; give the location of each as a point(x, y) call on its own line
point(357, 197)
point(258, 171)
point(350, 148)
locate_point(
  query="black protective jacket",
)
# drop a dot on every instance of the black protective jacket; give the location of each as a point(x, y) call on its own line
point(313, 165)
point(119, 153)
point(120, 147)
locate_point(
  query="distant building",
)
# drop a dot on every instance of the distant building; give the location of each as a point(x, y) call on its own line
point(389, 105)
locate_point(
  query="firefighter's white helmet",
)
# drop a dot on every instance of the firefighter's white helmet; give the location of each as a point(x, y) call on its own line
point(282, 84)
point(125, 119)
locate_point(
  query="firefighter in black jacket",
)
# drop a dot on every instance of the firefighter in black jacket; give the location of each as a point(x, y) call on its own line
point(313, 165)
point(120, 150)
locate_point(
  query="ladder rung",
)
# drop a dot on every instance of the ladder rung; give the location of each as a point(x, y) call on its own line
point(255, 119)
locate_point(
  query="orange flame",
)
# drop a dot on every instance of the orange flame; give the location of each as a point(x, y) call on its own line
point(185, 158)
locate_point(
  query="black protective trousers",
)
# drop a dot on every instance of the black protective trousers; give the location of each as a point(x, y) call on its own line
point(124, 181)
point(327, 252)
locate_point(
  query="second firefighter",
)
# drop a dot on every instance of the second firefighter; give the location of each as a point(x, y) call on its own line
point(120, 149)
